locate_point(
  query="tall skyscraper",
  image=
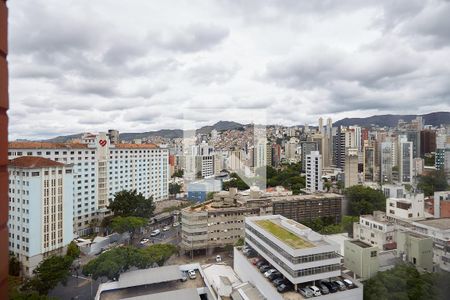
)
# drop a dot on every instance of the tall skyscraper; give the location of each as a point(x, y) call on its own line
point(314, 172)
point(406, 162)
point(41, 209)
point(386, 162)
point(351, 167)
point(307, 148)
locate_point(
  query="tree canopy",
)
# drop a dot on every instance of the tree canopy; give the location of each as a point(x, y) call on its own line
point(405, 282)
point(118, 260)
point(434, 182)
point(131, 203)
point(49, 273)
point(174, 188)
point(127, 224)
point(73, 250)
point(289, 177)
point(364, 200)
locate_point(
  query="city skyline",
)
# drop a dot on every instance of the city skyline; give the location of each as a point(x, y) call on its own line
point(90, 66)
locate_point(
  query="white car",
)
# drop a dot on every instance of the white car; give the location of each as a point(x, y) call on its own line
point(218, 258)
point(269, 272)
point(144, 241)
point(315, 290)
point(192, 274)
point(155, 232)
point(176, 224)
point(166, 228)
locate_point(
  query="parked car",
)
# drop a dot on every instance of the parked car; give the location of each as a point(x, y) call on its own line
point(166, 228)
point(251, 253)
point(176, 224)
point(155, 232)
point(348, 283)
point(255, 260)
point(305, 292)
point(218, 258)
point(144, 241)
point(315, 290)
point(278, 281)
point(284, 287)
point(323, 289)
point(332, 288)
point(274, 275)
point(260, 263)
point(264, 268)
point(268, 272)
point(192, 274)
point(340, 284)
point(184, 276)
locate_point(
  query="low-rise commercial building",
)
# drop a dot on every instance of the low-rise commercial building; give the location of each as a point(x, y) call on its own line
point(301, 255)
point(361, 258)
point(416, 249)
point(375, 230)
point(219, 222)
point(409, 208)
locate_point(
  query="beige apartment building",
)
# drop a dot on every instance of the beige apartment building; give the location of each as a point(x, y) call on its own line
point(220, 221)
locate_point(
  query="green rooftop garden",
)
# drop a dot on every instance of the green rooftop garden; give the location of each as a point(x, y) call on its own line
point(284, 235)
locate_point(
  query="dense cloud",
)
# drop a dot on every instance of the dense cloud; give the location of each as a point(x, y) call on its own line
point(146, 65)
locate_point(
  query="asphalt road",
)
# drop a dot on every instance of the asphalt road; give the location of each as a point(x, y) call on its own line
point(172, 236)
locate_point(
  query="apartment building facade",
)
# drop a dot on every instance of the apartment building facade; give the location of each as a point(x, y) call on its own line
point(40, 209)
point(302, 208)
point(314, 172)
point(219, 222)
point(100, 169)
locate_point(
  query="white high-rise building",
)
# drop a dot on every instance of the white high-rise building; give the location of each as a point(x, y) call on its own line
point(40, 209)
point(314, 172)
point(101, 169)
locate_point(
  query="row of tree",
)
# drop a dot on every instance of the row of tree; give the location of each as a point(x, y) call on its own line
point(112, 263)
point(328, 226)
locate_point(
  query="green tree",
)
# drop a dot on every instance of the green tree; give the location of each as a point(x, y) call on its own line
point(127, 224)
point(73, 250)
point(434, 182)
point(49, 273)
point(174, 188)
point(118, 260)
point(178, 173)
point(14, 292)
point(14, 266)
point(364, 200)
point(130, 203)
point(239, 242)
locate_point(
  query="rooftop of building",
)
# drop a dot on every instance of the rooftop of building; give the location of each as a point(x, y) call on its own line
point(45, 145)
point(360, 244)
point(73, 145)
point(33, 162)
point(315, 196)
point(154, 283)
point(443, 223)
point(284, 235)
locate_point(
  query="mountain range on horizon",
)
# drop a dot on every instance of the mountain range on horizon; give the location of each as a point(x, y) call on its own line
point(388, 120)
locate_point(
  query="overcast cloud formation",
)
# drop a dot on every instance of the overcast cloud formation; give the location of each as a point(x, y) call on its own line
point(139, 65)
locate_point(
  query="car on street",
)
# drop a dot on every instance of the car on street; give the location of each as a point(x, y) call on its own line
point(144, 241)
point(218, 258)
point(184, 276)
point(166, 228)
point(305, 292)
point(155, 232)
point(192, 274)
point(176, 224)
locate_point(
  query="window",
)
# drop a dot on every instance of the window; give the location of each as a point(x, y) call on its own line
point(373, 254)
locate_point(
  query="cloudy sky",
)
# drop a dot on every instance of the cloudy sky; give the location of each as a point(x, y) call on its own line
point(141, 65)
